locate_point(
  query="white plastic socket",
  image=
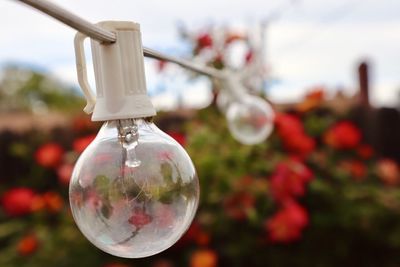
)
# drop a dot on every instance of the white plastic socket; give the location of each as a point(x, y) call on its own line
point(119, 73)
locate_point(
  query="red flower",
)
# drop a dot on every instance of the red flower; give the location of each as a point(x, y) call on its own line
point(388, 171)
point(179, 137)
point(288, 125)
point(64, 173)
point(237, 206)
point(300, 144)
point(204, 258)
point(291, 131)
point(140, 218)
point(365, 151)
point(355, 168)
point(80, 144)
point(49, 201)
point(343, 135)
point(53, 201)
point(27, 245)
point(289, 180)
point(204, 41)
point(18, 201)
point(49, 155)
point(287, 224)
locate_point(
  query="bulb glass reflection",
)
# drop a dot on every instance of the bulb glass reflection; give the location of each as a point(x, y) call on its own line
point(134, 190)
point(250, 120)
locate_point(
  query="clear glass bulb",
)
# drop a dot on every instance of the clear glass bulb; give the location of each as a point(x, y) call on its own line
point(134, 191)
point(250, 120)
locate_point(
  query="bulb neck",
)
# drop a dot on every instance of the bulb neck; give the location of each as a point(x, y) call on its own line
point(127, 131)
point(110, 127)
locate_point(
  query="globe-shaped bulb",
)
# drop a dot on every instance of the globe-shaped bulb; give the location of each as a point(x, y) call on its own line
point(134, 190)
point(250, 120)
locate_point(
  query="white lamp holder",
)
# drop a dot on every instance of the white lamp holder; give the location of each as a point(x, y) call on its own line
point(119, 73)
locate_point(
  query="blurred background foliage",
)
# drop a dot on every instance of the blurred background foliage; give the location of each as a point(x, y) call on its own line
point(25, 90)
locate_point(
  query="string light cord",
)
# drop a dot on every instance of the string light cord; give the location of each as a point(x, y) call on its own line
point(105, 36)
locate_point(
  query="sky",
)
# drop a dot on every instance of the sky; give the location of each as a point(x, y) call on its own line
point(310, 42)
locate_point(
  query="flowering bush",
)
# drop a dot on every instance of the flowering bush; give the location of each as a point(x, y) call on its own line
point(320, 202)
point(308, 194)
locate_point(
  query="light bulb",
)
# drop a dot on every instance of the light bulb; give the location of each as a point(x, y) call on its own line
point(224, 99)
point(250, 119)
point(134, 190)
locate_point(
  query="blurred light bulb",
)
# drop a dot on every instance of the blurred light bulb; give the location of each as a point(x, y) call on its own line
point(134, 190)
point(224, 99)
point(250, 119)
